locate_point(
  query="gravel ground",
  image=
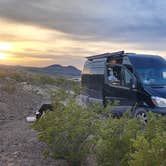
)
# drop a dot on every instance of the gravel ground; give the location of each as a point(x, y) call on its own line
point(19, 145)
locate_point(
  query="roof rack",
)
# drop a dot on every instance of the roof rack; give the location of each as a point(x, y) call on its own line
point(106, 55)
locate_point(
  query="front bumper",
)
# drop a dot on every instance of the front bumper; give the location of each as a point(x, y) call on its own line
point(158, 110)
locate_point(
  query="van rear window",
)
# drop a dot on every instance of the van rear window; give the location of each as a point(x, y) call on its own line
point(96, 67)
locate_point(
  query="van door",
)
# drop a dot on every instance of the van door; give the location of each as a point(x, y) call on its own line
point(130, 93)
point(118, 86)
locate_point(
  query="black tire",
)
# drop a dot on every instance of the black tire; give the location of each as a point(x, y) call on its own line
point(141, 114)
point(117, 115)
point(105, 102)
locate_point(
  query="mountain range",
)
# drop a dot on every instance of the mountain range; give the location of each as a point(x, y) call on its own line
point(52, 70)
point(55, 70)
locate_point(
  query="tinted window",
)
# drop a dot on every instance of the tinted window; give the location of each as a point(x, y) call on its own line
point(151, 70)
point(97, 70)
point(148, 62)
point(86, 68)
point(96, 67)
point(127, 78)
point(119, 76)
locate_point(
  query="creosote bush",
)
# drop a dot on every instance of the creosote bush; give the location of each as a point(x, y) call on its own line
point(72, 132)
point(9, 87)
point(20, 75)
point(150, 144)
point(69, 129)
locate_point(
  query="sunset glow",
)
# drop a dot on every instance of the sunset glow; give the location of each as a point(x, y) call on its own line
point(5, 46)
point(51, 32)
point(3, 56)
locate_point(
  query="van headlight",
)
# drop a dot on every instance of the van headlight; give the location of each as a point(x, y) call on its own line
point(158, 101)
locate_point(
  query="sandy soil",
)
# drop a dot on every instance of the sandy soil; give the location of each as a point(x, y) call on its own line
point(19, 145)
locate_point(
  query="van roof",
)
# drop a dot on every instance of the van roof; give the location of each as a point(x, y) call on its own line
point(106, 55)
point(142, 55)
point(121, 54)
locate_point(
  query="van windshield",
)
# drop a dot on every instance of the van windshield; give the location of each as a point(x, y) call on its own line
point(151, 70)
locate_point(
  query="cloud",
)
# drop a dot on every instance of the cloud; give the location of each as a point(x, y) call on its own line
point(62, 28)
point(39, 60)
point(131, 21)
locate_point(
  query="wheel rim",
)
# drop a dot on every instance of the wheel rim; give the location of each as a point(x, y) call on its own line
point(141, 116)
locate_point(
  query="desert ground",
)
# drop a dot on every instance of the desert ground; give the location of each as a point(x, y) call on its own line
point(19, 144)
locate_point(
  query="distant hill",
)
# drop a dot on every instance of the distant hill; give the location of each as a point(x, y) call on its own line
point(55, 70)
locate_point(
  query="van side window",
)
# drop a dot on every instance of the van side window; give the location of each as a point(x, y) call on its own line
point(96, 67)
point(127, 78)
point(115, 75)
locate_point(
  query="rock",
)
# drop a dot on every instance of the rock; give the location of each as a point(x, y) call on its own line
point(31, 119)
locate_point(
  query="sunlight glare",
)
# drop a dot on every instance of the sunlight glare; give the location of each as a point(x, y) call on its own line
point(5, 46)
point(2, 56)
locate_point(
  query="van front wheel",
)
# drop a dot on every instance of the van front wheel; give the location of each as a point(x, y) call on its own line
point(141, 114)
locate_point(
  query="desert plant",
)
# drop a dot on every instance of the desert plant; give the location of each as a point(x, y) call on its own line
point(9, 87)
point(150, 144)
point(18, 76)
point(68, 130)
point(72, 131)
point(114, 145)
point(3, 74)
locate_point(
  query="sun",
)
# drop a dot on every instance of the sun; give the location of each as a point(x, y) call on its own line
point(3, 56)
point(4, 49)
point(5, 46)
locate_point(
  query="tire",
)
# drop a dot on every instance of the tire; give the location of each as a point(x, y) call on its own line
point(117, 115)
point(141, 114)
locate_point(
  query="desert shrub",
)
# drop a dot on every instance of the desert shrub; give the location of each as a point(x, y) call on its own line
point(3, 73)
point(18, 76)
point(68, 130)
point(40, 79)
point(126, 142)
point(66, 83)
point(114, 145)
point(72, 132)
point(150, 144)
point(9, 87)
point(37, 79)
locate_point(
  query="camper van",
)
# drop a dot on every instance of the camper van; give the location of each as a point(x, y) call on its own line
point(136, 81)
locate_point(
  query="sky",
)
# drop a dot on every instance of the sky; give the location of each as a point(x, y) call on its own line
point(44, 32)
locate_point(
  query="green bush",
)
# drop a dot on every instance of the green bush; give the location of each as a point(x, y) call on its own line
point(40, 79)
point(68, 130)
point(66, 83)
point(72, 132)
point(20, 75)
point(115, 142)
point(150, 144)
